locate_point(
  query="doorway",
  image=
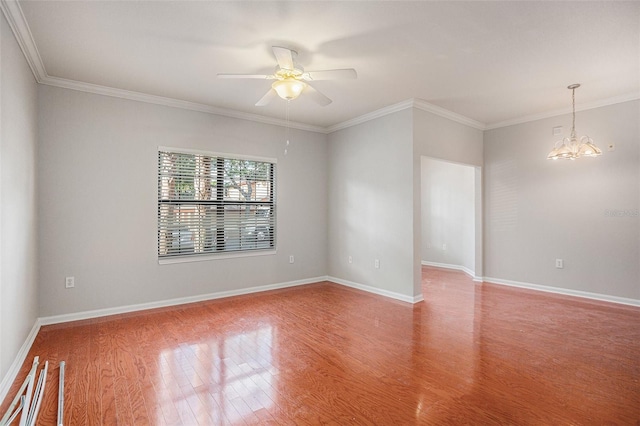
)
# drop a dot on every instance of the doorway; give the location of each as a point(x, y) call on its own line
point(451, 216)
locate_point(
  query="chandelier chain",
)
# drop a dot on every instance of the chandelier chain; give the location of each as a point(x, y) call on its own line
point(573, 100)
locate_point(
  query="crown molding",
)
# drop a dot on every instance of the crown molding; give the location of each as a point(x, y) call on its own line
point(591, 105)
point(18, 24)
point(371, 116)
point(174, 103)
point(445, 113)
point(409, 103)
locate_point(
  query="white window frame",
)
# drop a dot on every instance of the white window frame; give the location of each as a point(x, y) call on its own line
point(221, 254)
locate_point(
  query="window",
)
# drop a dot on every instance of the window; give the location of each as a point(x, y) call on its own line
point(210, 203)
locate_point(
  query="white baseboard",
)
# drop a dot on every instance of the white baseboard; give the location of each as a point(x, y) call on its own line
point(11, 375)
point(564, 291)
point(77, 316)
point(455, 267)
point(378, 291)
point(56, 319)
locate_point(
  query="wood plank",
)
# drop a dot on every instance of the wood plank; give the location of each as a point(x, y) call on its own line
point(93, 376)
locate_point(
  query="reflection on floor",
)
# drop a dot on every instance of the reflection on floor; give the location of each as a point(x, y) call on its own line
point(326, 354)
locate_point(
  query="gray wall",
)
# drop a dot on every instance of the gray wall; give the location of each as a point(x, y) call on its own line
point(371, 203)
point(18, 208)
point(538, 210)
point(444, 139)
point(97, 192)
point(448, 213)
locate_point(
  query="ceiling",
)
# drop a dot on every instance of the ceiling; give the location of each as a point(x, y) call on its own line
point(492, 62)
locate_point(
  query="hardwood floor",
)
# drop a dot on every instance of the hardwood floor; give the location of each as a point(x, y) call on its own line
point(326, 354)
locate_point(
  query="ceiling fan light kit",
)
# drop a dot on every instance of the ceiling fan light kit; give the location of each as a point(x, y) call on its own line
point(292, 80)
point(289, 89)
point(571, 148)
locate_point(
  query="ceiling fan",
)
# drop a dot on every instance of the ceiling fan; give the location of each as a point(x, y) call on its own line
point(291, 79)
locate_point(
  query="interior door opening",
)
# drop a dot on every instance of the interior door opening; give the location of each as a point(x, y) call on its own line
point(451, 216)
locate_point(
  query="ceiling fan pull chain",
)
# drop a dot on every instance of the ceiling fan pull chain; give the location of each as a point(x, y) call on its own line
point(286, 148)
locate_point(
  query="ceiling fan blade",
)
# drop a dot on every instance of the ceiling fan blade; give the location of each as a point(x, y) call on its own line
point(258, 76)
point(343, 74)
point(284, 57)
point(268, 97)
point(317, 97)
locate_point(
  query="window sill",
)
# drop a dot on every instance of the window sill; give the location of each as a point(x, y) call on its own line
point(207, 257)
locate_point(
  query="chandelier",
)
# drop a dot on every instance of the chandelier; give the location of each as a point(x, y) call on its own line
point(572, 147)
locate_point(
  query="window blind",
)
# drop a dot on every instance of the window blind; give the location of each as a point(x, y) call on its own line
point(214, 204)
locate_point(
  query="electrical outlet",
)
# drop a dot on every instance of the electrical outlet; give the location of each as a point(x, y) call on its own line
point(376, 263)
point(444, 247)
point(559, 263)
point(291, 259)
point(350, 259)
point(69, 282)
point(557, 131)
